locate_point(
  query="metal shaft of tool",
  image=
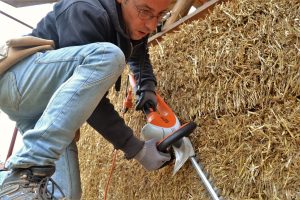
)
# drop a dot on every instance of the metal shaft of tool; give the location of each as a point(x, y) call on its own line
point(205, 181)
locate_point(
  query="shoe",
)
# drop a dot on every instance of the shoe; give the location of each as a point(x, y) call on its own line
point(29, 184)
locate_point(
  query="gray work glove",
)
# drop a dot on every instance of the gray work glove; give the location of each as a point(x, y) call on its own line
point(146, 99)
point(150, 158)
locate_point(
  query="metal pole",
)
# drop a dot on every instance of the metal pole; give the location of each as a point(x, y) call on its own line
point(205, 181)
point(15, 19)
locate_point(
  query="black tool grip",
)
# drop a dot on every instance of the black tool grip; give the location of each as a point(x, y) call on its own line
point(172, 138)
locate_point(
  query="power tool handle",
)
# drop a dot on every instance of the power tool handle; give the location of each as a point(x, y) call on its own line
point(172, 138)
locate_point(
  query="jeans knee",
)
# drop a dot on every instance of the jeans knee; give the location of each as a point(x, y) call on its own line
point(114, 55)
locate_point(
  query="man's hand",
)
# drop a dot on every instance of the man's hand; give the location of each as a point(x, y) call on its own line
point(146, 99)
point(150, 158)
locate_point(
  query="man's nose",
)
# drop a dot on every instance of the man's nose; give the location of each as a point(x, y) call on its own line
point(151, 24)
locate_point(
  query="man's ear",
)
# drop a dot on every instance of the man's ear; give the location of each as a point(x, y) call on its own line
point(119, 1)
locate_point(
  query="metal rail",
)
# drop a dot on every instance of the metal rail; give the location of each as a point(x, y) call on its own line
point(15, 19)
point(23, 3)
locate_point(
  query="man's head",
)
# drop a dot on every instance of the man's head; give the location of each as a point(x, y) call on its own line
point(142, 16)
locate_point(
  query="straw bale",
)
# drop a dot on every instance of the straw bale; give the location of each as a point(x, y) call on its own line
point(234, 60)
point(236, 74)
point(249, 156)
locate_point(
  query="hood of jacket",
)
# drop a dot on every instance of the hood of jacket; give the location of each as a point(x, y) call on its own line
point(113, 9)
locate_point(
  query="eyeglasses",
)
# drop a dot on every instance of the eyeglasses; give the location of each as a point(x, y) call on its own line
point(147, 15)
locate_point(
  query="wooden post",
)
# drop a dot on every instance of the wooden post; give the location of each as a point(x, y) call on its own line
point(180, 9)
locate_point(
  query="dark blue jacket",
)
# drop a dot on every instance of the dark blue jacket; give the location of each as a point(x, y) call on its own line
point(79, 22)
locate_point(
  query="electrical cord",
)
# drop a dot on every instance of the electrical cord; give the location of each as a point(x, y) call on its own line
point(114, 156)
point(113, 165)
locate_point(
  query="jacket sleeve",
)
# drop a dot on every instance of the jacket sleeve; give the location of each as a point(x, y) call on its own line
point(140, 61)
point(113, 128)
point(92, 25)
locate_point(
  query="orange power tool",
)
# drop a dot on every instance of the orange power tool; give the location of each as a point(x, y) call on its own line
point(163, 124)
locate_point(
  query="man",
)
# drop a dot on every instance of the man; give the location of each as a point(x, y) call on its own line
point(51, 94)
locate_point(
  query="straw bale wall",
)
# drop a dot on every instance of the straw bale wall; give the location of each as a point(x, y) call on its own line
point(237, 75)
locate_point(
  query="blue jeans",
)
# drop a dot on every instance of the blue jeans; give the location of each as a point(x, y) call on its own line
point(55, 92)
point(67, 174)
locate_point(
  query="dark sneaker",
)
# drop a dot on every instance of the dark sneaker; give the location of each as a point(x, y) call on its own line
point(28, 184)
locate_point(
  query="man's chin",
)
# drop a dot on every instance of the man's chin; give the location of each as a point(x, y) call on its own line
point(137, 36)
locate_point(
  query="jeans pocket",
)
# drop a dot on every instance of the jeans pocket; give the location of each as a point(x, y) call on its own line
point(9, 93)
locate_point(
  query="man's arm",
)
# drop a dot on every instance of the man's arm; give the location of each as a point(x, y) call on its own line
point(141, 66)
point(140, 61)
point(113, 128)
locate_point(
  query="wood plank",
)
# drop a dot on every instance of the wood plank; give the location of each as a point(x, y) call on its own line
point(199, 13)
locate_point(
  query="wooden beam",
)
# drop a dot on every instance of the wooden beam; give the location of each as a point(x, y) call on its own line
point(23, 3)
point(199, 13)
